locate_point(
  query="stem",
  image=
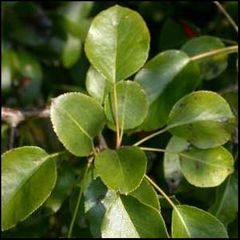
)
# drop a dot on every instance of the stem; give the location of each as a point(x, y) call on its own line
point(77, 204)
point(160, 191)
point(225, 13)
point(150, 136)
point(226, 50)
point(154, 149)
point(118, 143)
point(12, 134)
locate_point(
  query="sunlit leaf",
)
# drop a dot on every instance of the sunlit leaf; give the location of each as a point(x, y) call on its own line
point(122, 169)
point(76, 120)
point(203, 118)
point(117, 43)
point(192, 222)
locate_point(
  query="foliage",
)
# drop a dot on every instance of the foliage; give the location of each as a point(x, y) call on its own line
point(127, 104)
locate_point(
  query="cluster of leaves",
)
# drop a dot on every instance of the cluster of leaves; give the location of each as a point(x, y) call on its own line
point(111, 193)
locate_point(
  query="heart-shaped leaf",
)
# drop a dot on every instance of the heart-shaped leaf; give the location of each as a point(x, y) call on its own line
point(146, 194)
point(122, 169)
point(132, 105)
point(203, 118)
point(166, 78)
point(206, 167)
point(28, 177)
point(225, 206)
point(171, 162)
point(97, 85)
point(76, 119)
point(117, 43)
point(210, 67)
point(129, 218)
point(192, 222)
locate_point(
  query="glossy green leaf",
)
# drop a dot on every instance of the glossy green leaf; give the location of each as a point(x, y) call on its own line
point(28, 177)
point(129, 218)
point(76, 119)
point(166, 78)
point(97, 85)
point(225, 206)
point(71, 51)
point(210, 67)
point(122, 169)
point(146, 194)
point(203, 118)
point(171, 164)
point(117, 43)
point(206, 167)
point(132, 105)
point(192, 222)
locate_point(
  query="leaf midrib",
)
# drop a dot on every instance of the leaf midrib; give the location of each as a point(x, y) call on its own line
point(74, 121)
point(195, 121)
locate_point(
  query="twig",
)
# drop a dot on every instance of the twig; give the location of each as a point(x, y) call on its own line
point(14, 116)
point(12, 134)
point(227, 50)
point(225, 13)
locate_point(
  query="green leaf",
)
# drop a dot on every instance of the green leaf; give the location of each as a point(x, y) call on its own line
point(117, 43)
point(97, 85)
point(171, 163)
point(122, 169)
point(203, 118)
point(27, 65)
point(210, 67)
point(64, 186)
point(206, 167)
point(161, 79)
point(128, 218)
point(76, 119)
point(71, 51)
point(75, 17)
point(132, 105)
point(6, 74)
point(225, 206)
point(146, 194)
point(192, 222)
point(94, 207)
point(28, 177)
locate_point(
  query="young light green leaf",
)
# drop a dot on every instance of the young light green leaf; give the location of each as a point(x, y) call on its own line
point(225, 206)
point(71, 51)
point(210, 67)
point(137, 220)
point(146, 194)
point(171, 164)
point(117, 43)
point(97, 85)
point(76, 119)
point(132, 105)
point(192, 222)
point(161, 78)
point(122, 169)
point(206, 167)
point(203, 118)
point(28, 177)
